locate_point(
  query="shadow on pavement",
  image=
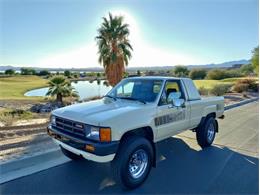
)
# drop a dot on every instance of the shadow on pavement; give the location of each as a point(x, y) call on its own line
point(180, 169)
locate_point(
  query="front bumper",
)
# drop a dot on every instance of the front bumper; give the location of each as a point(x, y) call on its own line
point(103, 152)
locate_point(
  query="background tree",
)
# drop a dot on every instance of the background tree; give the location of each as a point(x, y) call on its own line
point(197, 73)
point(138, 72)
point(67, 73)
point(28, 71)
point(10, 72)
point(255, 60)
point(60, 87)
point(44, 73)
point(247, 69)
point(114, 47)
point(181, 71)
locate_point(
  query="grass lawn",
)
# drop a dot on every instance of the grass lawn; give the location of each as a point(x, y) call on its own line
point(14, 87)
point(208, 84)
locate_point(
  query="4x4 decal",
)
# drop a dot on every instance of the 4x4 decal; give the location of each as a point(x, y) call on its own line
point(169, 118)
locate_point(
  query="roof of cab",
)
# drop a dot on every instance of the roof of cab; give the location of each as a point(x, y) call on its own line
point(155, 77)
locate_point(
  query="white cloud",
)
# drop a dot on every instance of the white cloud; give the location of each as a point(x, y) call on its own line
point(144, 54)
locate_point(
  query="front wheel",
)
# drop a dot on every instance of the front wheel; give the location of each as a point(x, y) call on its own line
point(133, 162)
point(206, 133)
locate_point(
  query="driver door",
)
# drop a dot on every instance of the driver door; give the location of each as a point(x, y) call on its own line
point(171, 120)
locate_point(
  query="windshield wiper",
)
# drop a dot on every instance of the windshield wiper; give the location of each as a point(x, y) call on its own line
point(134, 99)
point(114, 98)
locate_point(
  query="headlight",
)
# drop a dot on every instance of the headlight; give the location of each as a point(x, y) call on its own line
point(99, 134)
point(93, 133)
point(53, 120)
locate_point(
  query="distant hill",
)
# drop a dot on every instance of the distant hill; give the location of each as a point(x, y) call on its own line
point(222, 65)
point(131, 69)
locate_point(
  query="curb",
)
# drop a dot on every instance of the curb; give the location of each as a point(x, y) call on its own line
point(27, 166)
point(228, 107)
point(15, 169)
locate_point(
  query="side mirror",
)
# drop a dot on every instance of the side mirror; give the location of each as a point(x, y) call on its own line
point(178, 102)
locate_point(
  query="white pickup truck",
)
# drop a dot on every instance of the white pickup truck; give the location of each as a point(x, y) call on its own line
point(125, 125)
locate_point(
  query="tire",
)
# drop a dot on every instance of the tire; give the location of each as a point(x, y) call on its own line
point(132, 149)
point(71, 155)
point(206, 132)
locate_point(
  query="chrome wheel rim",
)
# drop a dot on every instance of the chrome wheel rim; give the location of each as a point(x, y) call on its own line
point(138, 163)
point(211, 132)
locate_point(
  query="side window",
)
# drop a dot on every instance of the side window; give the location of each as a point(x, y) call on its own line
point(170, 86)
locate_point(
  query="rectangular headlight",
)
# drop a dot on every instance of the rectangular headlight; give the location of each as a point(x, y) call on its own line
point(98, 133)
point(93, 133)
point(53, 120)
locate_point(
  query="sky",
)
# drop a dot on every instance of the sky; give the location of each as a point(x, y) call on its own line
point(61, 33)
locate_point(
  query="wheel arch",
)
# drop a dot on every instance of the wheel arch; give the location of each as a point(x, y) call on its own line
point(146, 132)
point(204, 118)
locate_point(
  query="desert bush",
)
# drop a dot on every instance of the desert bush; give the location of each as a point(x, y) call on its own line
point(243, 85)
point(197, 73)
point(220, 89)
point(240, 87)
point(203, 91)
point(9, 116)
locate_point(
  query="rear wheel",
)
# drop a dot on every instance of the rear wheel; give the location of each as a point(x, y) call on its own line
point(71, 155)
point(133, 162)
point(206, 133)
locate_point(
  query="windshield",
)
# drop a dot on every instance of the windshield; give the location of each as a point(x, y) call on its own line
point(144, 90)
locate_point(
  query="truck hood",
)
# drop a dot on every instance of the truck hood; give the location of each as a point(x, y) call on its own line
point(98, 111)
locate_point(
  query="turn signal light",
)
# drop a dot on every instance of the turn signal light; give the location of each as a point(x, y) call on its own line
point(90, 148)
point(105, 134)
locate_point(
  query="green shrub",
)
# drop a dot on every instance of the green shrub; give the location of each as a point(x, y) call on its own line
point(197, 73)
point(218, 74)
point(220, 89)
point(233, 73)
point(203, 91)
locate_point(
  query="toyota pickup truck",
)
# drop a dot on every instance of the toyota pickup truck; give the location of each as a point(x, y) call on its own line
point(124, 126)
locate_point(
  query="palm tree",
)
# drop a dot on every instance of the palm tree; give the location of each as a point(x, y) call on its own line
point(61, 87)
point(114, 47)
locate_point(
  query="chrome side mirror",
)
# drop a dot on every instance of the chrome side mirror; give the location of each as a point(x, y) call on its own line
point(178, 103)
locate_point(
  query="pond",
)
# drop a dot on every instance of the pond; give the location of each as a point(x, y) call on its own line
point(85, 89)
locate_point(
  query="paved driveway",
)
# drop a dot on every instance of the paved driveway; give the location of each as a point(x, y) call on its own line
point(230, 166)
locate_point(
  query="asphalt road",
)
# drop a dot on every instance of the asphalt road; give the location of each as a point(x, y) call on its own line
point(231, 165)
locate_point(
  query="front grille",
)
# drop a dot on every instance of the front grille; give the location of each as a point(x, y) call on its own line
point(69, 126)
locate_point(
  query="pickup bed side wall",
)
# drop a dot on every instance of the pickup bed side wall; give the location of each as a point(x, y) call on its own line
point(201, 108)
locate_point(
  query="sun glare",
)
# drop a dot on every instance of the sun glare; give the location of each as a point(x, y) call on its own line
point(144, 54)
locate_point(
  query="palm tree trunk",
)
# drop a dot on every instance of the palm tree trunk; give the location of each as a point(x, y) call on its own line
point(59, 98)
